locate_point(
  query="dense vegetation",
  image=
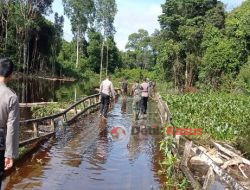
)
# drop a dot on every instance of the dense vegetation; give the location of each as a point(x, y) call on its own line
point(222, 116)
point(36, 45)
point(199, 44)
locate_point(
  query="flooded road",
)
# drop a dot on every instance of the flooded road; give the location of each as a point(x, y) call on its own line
point(84, 156)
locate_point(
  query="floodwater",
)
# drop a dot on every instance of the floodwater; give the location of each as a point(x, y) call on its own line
point(84, 156)
point(30, 90)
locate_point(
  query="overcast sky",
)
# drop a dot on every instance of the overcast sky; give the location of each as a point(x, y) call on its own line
point(132, 15)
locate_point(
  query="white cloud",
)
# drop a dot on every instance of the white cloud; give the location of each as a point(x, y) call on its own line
point(130, 19)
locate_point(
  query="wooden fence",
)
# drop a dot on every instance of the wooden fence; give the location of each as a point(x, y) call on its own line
point(69, 115)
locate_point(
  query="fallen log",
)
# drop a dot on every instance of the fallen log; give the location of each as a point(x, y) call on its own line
point(27, 105)
point(209, 179)
point(230, 153)
point(223, 175)
point(57, 79)
point(219, 171)
point(195, 184)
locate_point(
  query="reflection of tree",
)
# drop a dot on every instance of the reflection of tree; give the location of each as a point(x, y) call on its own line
point(74, 91)
point(100, 153)
point(137, 142)
point(39, 90)
point(35, 90)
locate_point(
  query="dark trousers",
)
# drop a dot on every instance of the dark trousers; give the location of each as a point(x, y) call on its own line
point(105, 101)
point(144, 104)
point(2, 162)
point(125, 91)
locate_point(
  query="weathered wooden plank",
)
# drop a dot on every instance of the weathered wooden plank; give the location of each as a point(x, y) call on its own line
point(186, 154)
point(25, 105)
point(230, 153)
point(35, 129)
point(33, 140)
point(209, 179)
point(195, 184)
point(219, 171)
point(59, 114)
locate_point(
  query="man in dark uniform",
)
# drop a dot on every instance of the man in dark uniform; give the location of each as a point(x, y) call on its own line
point(9, 119)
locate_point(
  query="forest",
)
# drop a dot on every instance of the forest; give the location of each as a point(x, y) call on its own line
point(199, 43)
point(36, 45)
point(199, 59)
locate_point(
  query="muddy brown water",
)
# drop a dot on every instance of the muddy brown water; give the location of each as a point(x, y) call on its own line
point(84, 156)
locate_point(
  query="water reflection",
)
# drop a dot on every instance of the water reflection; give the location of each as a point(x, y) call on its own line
point(85, 157)
point(31, 90)
point(124, 104)
point(21, 177)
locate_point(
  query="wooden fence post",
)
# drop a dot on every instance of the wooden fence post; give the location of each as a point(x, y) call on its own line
point(53, 125)
point(65, 118)
point(35, 129)
point(89, 104)
point(75, 110)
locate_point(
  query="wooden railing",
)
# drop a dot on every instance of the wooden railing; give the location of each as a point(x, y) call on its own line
point(88, 104)
point(164, 111)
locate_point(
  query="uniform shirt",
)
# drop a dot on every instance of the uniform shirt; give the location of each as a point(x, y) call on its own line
point(136, 88)
point(107, 88)
point(145, 89)
point(9, 122)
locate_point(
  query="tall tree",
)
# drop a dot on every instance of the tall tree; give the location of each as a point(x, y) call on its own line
point(139, 43)
point(57, 41)
point(184, 23)
point(106, 11)
point(81, 14)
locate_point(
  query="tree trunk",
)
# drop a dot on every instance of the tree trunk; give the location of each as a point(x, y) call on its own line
point(77, 49)
point(186, 75)
point(6, 34)
point(24, 56)
point(101, 61)
point(107, 64)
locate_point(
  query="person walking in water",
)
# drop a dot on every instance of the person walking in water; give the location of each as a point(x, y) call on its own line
point(145, 94)
point(9, 119)
point(136, 93)
point(125, 87)
point(106, 91)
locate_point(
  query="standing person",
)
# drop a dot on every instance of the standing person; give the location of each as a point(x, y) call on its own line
point(145, 94)
point(125, 86)
point(136, 93)
point(9, 119)
point(106, 91)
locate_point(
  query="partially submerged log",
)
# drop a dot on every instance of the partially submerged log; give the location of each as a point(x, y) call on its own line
point(230, 153)
point(184, 162)
point(26, 105)
point(209, 179)
point(58, 79)
point(220, 172)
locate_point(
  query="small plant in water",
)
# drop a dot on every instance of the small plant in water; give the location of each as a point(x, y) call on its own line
point(170, 165)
